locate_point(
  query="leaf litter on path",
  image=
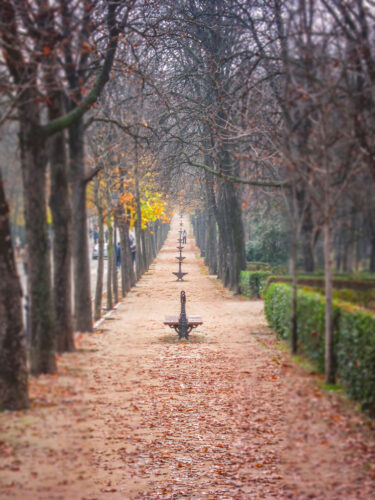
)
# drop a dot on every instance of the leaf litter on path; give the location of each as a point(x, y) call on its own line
point(136, 414)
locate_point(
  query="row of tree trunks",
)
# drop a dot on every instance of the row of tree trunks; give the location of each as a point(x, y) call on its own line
point(220, 240)
point(352, 252)
point(27, 75)
point(232, 257)
point(100, 271)
point(199, 231)
point(154, 237)
point(219, 234)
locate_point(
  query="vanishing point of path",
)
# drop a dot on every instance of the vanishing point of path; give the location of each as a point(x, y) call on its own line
point(135, 414)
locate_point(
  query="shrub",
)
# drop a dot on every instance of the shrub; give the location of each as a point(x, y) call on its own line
point(253, 282)
point(269, 240)
point(356, 355)
point(310, 314)
point(365, 298)
point(354, 336)
point(278, 300)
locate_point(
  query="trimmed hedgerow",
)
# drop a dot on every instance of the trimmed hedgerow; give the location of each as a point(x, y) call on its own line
point(356, 355)
point(363, 298)
point(310, 314)
point(354, 337)
point(277, 305)
point(318, 282)
point(253, 282)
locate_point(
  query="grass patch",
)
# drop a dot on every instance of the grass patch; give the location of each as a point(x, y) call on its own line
point(330, 387)
point(282, 346)
point(305, 364)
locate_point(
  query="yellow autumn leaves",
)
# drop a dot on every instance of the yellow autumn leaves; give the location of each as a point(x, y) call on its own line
point(154, 201)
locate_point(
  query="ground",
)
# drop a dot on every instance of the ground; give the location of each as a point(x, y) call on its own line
point(136, 414)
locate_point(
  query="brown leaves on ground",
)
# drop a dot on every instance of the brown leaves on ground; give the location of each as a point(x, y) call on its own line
point(134, 413)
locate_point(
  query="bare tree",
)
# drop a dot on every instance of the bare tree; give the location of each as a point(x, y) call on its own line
point(13, 369)
point(24, 47)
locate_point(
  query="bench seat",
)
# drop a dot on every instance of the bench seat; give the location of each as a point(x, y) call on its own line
point(173, 321)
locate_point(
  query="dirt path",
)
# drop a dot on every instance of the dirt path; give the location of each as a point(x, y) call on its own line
point(136, 414)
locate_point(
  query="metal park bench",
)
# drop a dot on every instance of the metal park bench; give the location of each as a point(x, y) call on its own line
point(183, 324)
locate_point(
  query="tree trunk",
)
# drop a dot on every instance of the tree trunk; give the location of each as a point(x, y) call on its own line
point(211, 236)
point(307, 232)
point(210, 243)
point(231, 236)
point(114, 267)
point(138, 223)
point(153, 240)
point(61, 224)
point(13, 369)
point(308, 252)
point(221, 251)
point(294, 250)
point(126, 262)
point(144, 251)
point(370, 220)
point(329, 353)
point(239, 252)
point(358, 253)
point(33, 163)
point(349, 246)
point(100, 272)
point(147, 255)
point(82, 293)
point(109, 260)
point(372, 256)
point(338, 252)
point(202, 232)
point(138, 255)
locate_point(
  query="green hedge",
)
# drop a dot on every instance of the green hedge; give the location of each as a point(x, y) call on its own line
point(354, 337)
point(363, 298)
point(356, 355)
point(253, 282)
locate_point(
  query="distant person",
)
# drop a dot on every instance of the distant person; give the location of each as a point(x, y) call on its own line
point(18, 247)
point(118, 255)
point(96, 236)
point(133, 248)
point(25, 258)
point(184, 236)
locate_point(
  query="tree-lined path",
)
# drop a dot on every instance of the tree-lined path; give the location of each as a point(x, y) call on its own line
point(134, 413)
